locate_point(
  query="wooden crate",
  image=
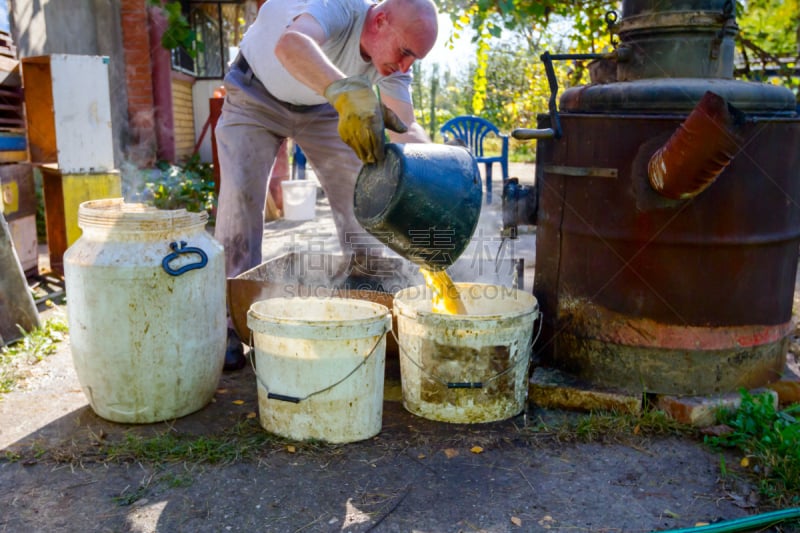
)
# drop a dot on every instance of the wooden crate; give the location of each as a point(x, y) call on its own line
point(8, 54)
point(12, 118)
point(19, 208)
point(13, 142)
point(68, 112)
point(63, 194)
point(7, 46)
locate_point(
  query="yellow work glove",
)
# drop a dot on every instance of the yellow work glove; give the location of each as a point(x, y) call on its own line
point(362, 117)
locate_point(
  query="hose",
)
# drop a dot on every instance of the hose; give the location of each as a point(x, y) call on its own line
point(746, 523)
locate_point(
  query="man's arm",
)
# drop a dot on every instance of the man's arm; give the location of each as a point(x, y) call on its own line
point(361, 124)
point(298, 50)
point(405, 112)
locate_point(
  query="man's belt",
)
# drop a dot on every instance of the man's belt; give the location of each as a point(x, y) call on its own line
point(241, 64)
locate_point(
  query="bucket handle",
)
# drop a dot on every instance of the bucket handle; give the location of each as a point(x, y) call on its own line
point(473, 384)
point(177, 250)
point(296, 399)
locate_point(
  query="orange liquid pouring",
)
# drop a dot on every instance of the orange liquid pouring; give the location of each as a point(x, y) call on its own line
point(446, 296)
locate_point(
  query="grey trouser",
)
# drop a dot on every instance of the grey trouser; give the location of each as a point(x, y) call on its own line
point(249, 132)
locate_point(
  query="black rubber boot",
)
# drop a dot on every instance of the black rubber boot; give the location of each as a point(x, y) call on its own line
point(234, 352)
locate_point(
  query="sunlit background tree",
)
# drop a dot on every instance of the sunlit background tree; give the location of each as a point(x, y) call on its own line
point(504, 80)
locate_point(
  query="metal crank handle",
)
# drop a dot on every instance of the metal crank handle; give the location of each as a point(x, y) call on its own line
point(527, 134)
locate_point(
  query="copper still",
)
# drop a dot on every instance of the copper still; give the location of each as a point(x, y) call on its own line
point(668, 221)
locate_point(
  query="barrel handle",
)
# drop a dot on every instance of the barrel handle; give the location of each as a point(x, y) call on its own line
point(177, 250)
point(297, 399)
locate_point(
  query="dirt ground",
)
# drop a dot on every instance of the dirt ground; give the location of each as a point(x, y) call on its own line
point(415, 475)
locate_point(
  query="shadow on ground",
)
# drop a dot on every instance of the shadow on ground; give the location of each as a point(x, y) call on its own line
point(78, 472)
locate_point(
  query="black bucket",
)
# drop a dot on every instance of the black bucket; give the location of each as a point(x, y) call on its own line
point(423, 201)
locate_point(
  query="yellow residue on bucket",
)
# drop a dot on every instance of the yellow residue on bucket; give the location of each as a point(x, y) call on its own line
point(470, 368)
point(446, 296)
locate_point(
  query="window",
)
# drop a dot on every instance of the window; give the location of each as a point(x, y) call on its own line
point(219, 27)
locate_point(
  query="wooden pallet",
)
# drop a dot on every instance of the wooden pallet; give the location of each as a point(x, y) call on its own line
point(8, 53)
point(11, 98)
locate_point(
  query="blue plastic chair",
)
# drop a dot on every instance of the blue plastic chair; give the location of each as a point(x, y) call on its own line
point(472, 131)
point(298, 164)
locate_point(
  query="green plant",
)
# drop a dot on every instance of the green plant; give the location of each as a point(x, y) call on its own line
point(179, 33)
point(11, 457)
point(240, 442)
point(176, 481)
point(611, 427)
point(34, 346)
point(190, 186)
point(126, 498)
point(769, 439)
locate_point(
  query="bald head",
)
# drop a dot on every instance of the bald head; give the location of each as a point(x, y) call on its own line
point(418, 19)
point(398, 32)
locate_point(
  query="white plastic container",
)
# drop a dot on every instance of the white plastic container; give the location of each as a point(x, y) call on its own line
point(146, 310)
point(299, 199)
point(320, 366)
point(466, 368)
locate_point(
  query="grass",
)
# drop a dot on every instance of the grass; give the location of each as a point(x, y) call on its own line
point(34, 346)
point(611, 427)
point(163, 476)
point(769, 440)
point(244, 441)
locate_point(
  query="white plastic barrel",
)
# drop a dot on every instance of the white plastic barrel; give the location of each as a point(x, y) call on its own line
point(320, 366)
point(146, 310)
point(465, 368)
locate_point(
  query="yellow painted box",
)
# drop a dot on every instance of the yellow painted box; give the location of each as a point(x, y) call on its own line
point(63, 194)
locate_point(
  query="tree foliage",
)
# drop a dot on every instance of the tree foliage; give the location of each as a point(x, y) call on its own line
point(535, 21)
point(769, 37)
point(506, 82)
point(179, 33)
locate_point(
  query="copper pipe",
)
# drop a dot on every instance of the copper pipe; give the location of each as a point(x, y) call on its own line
point(698, 151)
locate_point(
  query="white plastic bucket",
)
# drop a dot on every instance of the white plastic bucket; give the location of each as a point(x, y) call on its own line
point(299, 199)
point(466, 368)
point(320, 366)
point(146, 309)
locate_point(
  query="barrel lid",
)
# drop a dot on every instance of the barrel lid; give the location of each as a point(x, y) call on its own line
point(677, 95)
point(116, 213)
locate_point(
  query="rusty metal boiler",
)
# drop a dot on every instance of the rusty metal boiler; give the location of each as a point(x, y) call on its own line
point(668, 212)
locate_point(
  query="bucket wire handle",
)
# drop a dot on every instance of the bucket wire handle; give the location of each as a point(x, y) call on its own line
point(539, 331)
point(296, 399)
point(470, 384)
